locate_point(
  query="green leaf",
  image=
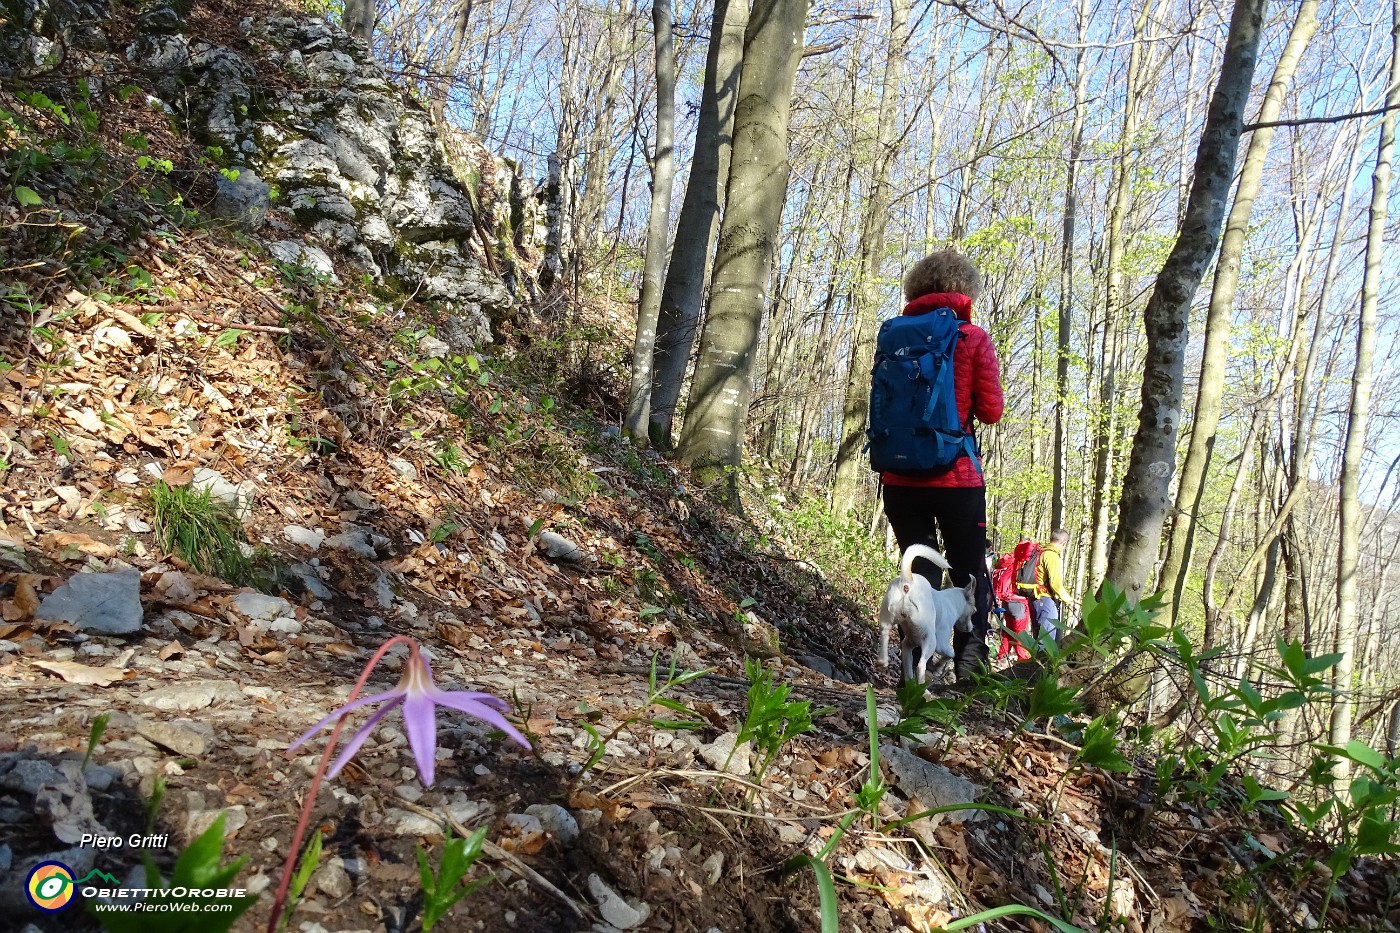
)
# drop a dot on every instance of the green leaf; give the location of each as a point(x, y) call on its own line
point(1050, 699)
point(99, 726)
point(309, 860)
point(1100, 747)
point(826, 891)
point(228, 338)
point(1012, 910)
point(27, 197)
point(1362, 753)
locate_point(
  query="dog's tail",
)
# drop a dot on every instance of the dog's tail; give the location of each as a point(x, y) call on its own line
point(906, 567)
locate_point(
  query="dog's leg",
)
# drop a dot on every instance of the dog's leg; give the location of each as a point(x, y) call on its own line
point(883, 661)
point(906, 648)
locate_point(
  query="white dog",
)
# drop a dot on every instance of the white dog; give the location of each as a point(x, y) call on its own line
point(925, 616)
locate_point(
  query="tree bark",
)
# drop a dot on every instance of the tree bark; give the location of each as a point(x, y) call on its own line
point(358, 19)
point(658, 225)
point(1144, 502)
point(1350, 510)
point(1115, 305)
point(712, 441)
point(684, 291)
point(1065, 321)
point(1222, 304)
point(850, 468)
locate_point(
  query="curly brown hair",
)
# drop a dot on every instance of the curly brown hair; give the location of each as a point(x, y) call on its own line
point(944, 271)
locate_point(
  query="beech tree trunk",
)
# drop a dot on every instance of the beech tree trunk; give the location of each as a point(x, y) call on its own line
point(658, 225)
point(850, 466)
point(1222, 305)
point(358, 19)
point(712, 441)
point(1350, 509)
point(1065, 322)
point(1144, 503)
point(684, 291)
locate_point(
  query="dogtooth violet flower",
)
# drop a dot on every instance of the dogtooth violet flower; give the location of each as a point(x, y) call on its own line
point(419, 697)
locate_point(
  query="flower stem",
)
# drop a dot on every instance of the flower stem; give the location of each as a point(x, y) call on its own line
point(310, 802)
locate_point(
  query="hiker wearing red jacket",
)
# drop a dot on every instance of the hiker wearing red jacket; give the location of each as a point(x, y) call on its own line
point(949, 511)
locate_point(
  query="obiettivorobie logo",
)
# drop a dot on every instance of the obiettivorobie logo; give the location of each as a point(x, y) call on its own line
point(51, 887)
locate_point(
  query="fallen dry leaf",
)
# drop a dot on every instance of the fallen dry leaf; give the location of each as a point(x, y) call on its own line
point(172, 650)
point(75, 673)
point(26, 597)
point(84, 543)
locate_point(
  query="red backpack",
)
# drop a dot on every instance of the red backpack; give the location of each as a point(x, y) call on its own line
point(1026, 560)
point(1013, 607)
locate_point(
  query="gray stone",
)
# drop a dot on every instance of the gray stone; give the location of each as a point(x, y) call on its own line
point(159, 20)
point(815, 662)
point(245, 199)
point(933, 785)
point(98, 778)
point(557, 821)
point(260, 607)
point(107, 603)
point(30, 775)
point(313, 583)
point(221, 96)
point(328, 68)
point(403, 823)
point(192, 739)
point(403, 467)
point(332, 880)
point(191, 696)
point(614, 909)
point(356, 541)
point(197, 821)
point(285, 626)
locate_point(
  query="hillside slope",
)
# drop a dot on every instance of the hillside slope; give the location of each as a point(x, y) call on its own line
point(320, 361)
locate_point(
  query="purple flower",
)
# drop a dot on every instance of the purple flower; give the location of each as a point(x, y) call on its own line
point(419, 697)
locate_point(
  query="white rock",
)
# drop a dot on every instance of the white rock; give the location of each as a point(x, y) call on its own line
point(260, 607)
point(240, 497)
point(191, 696)
point(718, 752)
point(403, 823)
point(306, 537)
point(614, 909)
point(183, 738)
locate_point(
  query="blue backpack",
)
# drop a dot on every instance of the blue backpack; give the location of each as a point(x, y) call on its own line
point(914, 428)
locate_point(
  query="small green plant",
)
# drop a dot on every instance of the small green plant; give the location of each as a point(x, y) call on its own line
point(305, 868)
point(657, 689)
point(444, 888)
point(202, 531)
point(153, 802)
point(174, 909)
point(772, 720)
point(99, 726)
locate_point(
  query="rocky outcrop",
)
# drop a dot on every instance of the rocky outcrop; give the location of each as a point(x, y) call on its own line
point(322, 156)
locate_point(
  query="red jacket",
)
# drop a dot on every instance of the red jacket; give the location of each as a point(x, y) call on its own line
point(977, 381)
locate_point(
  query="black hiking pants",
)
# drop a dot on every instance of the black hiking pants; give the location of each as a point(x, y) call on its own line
point(954, 523)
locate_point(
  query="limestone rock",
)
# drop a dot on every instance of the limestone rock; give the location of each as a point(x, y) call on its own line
point(191, 739)
point(933, 785)
point(245, 199)
point(107, 603)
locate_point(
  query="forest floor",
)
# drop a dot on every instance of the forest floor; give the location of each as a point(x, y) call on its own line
point(384, 498)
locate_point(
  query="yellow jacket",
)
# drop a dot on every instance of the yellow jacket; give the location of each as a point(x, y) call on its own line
point(1050, 576)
